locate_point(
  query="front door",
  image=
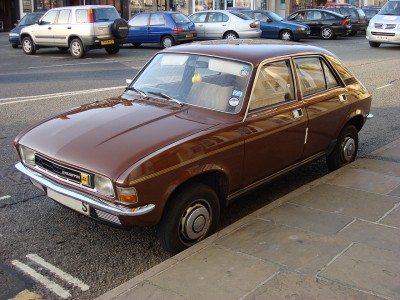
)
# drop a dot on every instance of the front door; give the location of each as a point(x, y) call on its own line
point(44, 32)
point(275, 125)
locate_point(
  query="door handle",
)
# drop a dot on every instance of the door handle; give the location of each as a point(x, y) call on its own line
point(342, 98)
point(49, 28)
point(69, 27)
point(297, 113)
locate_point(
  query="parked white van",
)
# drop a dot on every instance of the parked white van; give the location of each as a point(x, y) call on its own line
point(384, 28)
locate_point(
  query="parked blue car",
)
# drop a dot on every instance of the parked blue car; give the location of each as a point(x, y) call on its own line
point(28, 19)
point(274, 27)
point(164, 27)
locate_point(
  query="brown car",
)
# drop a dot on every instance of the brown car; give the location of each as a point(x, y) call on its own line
point(200, 125)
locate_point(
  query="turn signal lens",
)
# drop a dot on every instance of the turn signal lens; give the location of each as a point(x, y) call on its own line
point(128, 195)
point(178, 29)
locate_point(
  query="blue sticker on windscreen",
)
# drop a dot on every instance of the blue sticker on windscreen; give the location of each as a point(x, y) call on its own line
point(236, 93)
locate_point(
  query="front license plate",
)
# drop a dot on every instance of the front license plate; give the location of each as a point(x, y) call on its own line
point(76, 205)
point(107, 42)
point(383, 38)
point(189, 35)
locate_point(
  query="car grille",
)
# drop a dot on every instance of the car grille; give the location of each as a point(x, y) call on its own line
point(385, 26)
point(382, 33)
point(67, 173)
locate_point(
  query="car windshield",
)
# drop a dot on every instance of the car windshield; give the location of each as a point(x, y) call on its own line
point(180, 18)
point(208, 82)
point(391, 8)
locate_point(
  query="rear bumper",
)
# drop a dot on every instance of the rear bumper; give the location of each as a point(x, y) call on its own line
point(301, 34)
point(99, 209)
point(185, 36)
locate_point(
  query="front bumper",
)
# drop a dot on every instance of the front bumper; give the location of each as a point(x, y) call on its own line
point(301, 34)
point(385, 36)
point(92, 207)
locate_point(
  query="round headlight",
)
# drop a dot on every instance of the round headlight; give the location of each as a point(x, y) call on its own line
point(103, 185)
point(28, 155)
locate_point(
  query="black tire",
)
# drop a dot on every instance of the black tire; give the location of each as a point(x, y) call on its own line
point(63, 49)
point(77, 49)
point(15, 46)
point(120, 28)
point(345, 150)
point(167, 41)
point(28, 46)
point(230, 35)
point(195, 206)
point(327, 33)
point(136, 45)
point(286, 35)
point(353, 33)
point(114, 49)
point(374, 44)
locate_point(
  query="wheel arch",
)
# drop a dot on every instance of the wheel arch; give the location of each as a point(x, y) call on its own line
point(230, 30)
point(24, 35)
point(357, 121)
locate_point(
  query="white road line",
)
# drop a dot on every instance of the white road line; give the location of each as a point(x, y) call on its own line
point(384, 86)
point(76, 64)
point(48, 96)
point(63, 275)
point(5, 197)
point(51, 285)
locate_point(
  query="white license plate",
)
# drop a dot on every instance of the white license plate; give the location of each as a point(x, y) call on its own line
point(77, 205)
point(383, 38)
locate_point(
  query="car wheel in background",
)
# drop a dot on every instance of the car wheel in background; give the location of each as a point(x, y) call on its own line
point(76, 48)
point(28, 46)
point(190, 216)
point(120, 28)
point(114, 49)
point(167, 41)
point(327, 33)
point(353, 33)
point(374, 44)
point(286, 35)
point(345, 150)
point(231, 35)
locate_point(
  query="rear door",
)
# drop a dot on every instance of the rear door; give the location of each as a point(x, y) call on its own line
point(216, 25)
point(63, 28)
point(326, 102)
point(314, 19)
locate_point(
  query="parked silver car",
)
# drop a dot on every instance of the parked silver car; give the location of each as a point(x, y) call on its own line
point(222, 24)
point(384, 28)
point(79, 28)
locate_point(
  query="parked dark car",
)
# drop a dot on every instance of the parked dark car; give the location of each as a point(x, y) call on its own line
point(199, 126)
point(28, 19)
point(371, 11)
point(166, 28)
point(323, 23)
point(357, 17)
point(275, 27)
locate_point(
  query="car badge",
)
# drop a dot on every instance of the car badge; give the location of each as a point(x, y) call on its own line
point(384, 26)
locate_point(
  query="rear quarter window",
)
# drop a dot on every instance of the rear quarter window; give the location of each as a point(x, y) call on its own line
point(105, 14)
point(180, 18)
point(344, 73)
point(82, 16)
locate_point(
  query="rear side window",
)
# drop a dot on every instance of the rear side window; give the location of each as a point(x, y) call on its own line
point(82, 16)
point(63, 17)
point(105, 14)
point(180, 18)
point(315, 75)
point(157, 19)
point(217, 17)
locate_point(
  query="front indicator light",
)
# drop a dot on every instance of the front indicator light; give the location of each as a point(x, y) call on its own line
point(301, 28)
point(128, 195)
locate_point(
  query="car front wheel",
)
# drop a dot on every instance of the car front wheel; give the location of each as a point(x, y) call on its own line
point(28, 46)
point(77, 49)
point(345, 150)
point(327, 33)
point(167, 41)
point(374, 44)
point(189, 217)
point(230, 35)
point(286, 35)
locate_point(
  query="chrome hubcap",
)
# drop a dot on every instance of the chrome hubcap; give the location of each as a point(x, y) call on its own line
point(286, 36)
point(349, 148)
point(167, 43)
point(231, 37)
point(195, 222)
point(27, 46)
point(76, 48)
point(326, 33)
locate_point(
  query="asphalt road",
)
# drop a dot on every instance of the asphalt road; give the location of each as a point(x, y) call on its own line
point(101, 257)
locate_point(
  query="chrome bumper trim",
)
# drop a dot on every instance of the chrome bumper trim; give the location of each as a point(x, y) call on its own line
point(92, 201)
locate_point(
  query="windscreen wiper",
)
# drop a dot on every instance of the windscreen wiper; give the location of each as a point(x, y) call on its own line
point(165, 96)
point(131, 88)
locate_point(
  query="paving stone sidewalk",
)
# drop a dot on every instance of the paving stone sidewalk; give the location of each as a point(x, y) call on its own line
point(335, 238)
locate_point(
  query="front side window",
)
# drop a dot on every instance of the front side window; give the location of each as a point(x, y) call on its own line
point(139, 20)
point(208, 82)
point(273, 85)
point(217, 17)
point(157, 20)
point(50, 18)
point(315, 75)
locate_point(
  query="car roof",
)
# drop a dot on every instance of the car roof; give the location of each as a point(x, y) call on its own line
point(248, 50)
point(323, 10)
